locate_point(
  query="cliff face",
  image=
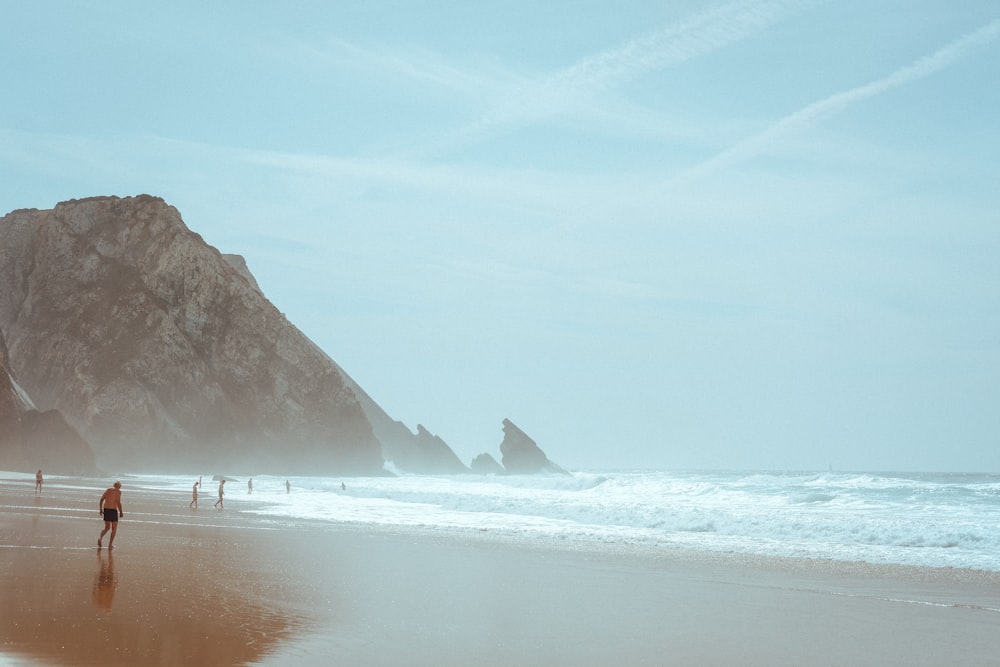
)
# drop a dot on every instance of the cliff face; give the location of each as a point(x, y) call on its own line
point(162, 352)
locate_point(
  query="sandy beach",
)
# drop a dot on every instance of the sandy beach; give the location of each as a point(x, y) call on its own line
point(207, 587)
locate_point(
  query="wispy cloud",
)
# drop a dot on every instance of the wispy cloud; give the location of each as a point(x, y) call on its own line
point(413, 63)
point(513, 100)
point(795, 122)
point(564, 91)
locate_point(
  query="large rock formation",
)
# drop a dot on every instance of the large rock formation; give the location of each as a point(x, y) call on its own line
point(521, 455)
point(162, 352)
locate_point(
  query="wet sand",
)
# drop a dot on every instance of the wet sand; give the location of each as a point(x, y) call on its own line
point(228, 588)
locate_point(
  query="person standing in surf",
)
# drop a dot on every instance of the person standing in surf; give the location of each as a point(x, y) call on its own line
point(38, 481)
point(110, 506)
point(218, 503)
point(194, 495)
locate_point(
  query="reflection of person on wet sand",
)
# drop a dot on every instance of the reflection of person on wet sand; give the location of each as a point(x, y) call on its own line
point(110, 506)
point(104, 582)
point(194, 495)
point(218, 503)
point(38, 481)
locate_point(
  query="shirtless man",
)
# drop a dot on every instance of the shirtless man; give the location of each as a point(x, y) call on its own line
point(110, 506)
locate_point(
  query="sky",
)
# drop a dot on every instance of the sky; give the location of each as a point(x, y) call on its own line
point(758, 235)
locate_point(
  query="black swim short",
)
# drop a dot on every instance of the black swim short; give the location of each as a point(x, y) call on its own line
point(110, 515)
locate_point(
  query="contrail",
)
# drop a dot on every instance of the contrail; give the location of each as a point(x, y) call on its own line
point(674, 44)
point(756, 144)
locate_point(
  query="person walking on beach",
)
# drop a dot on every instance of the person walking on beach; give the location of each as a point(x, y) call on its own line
point(218, 503)
point(250, 485)
point(194, 495)
point(110, 506)
point(288, 486)
point(38, 481)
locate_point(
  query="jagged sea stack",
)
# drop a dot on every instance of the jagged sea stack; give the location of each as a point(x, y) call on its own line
point(521, 455)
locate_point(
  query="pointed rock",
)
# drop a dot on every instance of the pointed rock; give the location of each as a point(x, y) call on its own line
point(485, 464)
point(521, 455)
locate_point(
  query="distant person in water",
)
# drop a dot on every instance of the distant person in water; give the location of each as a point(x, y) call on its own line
point(194, 495)
point(250, 485)
point(288, 486)
point(342, 487)
point(218, 503)
point(110, 506)
point(38, 481)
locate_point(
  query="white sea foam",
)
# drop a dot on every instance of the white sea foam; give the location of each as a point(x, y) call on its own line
point(942, 520)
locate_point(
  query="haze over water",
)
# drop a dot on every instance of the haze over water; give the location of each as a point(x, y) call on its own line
point(921, 519)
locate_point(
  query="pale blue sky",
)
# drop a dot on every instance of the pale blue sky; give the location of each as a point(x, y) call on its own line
point(652, 234)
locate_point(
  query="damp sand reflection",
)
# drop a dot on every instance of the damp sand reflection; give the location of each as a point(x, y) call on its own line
point(169, 594)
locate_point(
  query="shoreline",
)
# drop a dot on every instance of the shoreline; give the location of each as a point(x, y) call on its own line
point(647, 550)
point(205, 587)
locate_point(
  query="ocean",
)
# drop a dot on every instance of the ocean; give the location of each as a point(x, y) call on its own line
point(940, 520)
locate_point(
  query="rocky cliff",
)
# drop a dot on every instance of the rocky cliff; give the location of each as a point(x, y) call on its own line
point(163, 353)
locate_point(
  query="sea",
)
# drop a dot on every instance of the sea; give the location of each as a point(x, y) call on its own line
point(938, 520)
